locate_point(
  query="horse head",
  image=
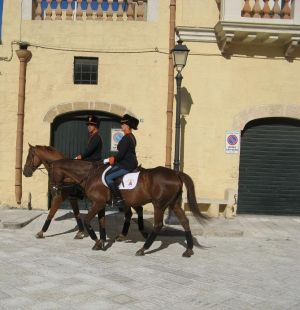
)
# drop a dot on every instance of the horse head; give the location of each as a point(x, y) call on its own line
point(33, 161)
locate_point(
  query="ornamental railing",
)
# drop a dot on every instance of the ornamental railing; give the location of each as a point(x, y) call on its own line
point(98, 10)
point(277, 9)
point(260, 11)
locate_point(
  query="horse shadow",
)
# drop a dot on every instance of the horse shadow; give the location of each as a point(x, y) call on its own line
point(167, 236)
point(114, 223)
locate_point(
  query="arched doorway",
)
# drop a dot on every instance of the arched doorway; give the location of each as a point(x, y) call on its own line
point(269, 172)
point(69, 134)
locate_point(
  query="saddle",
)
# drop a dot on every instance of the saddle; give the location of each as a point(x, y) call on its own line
point(73, 190)
point(127, 181)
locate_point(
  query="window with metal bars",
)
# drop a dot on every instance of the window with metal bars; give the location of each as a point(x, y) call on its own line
point(85, 70)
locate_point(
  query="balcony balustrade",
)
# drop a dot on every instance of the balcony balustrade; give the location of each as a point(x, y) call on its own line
point(97, 10)
point(259, 23)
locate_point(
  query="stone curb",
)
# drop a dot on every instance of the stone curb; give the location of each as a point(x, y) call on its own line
point(17, 224)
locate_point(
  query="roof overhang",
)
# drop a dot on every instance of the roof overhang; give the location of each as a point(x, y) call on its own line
point(231, 36)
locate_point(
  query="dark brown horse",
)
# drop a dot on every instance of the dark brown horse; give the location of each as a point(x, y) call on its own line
point(38, 155)
point(160, 186)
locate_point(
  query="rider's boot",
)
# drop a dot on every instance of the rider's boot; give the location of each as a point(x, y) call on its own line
point(117, 197)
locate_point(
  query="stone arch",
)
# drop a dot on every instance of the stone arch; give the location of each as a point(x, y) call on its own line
point(77, 106)
point(263, 111)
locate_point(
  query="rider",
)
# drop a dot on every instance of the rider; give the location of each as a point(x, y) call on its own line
point(125, 161)
point(93, 149)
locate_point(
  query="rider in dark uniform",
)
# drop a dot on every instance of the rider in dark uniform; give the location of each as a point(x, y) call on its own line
point(93, 149)
point(125, 161)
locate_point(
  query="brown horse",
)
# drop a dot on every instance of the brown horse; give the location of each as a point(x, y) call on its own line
point(160, 185)
point(38, 155)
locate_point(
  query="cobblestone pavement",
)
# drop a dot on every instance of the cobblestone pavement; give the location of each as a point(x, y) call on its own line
point(251, 262)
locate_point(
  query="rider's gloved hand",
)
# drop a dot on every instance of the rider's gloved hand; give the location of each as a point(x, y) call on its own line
point(111, 160)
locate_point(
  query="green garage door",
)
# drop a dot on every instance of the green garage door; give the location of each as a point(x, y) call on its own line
point(69, 135)
point(269, 173)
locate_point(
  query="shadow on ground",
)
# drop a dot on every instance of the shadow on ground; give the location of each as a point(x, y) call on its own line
point(114, 223)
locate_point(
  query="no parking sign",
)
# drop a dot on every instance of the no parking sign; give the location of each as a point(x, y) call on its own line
point(232, 141)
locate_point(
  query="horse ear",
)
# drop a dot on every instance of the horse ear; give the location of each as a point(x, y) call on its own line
point(29, 145)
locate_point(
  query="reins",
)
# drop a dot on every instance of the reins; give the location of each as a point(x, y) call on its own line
point(41, 169)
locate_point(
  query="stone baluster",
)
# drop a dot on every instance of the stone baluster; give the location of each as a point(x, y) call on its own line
point(130, 10)
point(120, 10)
point(89, 11)
point(256, 10)
point(79, 12)
point(110, 12)
point(48, 11)
point(58, 11)
point(140, 10)
point(266, 9)
point(99, 10)
point(38, 11)
point(276, 9)
point(286, 10)
point(246, 10)
point(69, 11)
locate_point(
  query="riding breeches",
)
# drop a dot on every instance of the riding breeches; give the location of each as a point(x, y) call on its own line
point(113, 173)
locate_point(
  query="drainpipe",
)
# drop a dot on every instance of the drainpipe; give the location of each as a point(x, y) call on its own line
point(24, 57)
point(170, 83)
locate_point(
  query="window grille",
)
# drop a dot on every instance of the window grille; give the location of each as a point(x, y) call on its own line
point(85, 70)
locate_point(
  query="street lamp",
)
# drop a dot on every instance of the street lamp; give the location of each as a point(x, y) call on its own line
point(180, 54)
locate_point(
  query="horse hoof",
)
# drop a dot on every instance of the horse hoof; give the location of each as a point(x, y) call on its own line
point(188, 253)
point(99, 245)
point(79, 235)
point(120, 238)
point(39, 235)
point(140, 252)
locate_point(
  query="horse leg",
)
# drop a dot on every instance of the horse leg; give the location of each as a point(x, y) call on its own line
point(126, 225)
point(184, 221)
point(102, 230)
point(75, 208)
point(158, 224)
point(87, 223)
point(139, 211)
point(56, 201)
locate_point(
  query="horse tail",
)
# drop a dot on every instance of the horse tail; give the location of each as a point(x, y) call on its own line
point(191, 197)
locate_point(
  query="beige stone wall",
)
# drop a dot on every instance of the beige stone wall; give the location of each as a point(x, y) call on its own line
point(134, 82)
point(9, 80)
point(197, 13)
point(226, 94)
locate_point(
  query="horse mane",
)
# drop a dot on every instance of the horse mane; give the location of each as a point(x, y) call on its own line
point(49, 149)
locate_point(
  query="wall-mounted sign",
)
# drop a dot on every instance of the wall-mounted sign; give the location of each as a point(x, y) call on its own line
point(116, 136)
point(232, 141)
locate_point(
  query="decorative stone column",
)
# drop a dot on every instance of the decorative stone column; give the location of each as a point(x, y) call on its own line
point(24, 57)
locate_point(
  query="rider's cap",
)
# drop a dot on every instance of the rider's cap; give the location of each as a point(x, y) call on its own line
point(131, 121)
point(92, 120)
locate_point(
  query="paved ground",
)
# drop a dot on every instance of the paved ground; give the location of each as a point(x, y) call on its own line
point(251, 262)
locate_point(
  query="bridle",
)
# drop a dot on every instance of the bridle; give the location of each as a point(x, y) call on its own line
point(31, 163)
